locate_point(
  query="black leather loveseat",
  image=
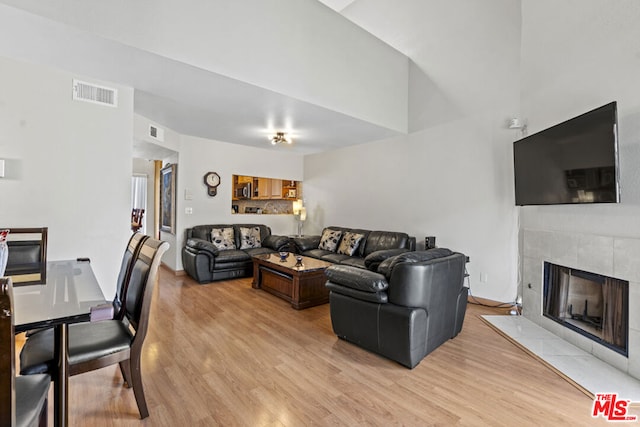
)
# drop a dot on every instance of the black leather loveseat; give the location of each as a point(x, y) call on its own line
point(355, 247)
point(412, 304)
point(224, 251)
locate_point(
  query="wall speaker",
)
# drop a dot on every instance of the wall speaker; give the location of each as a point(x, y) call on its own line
point(430, 242)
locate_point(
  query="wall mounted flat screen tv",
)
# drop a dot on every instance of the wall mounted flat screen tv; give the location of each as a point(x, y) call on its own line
point(572, 162)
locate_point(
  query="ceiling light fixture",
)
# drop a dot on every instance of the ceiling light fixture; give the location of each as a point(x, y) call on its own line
point(280, 138)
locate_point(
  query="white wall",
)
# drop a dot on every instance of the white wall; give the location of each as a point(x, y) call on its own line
point(576, 56)
point(467, 52)
point(166, 150)
point(451, 181)
point(68, 166)
point(451, 177)
point(252, 41)
point(199, 156)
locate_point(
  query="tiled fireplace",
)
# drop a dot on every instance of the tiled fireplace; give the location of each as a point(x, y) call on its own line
point(610, 256)
point(593, 305)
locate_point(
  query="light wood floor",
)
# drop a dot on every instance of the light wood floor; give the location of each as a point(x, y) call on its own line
point(225, 354)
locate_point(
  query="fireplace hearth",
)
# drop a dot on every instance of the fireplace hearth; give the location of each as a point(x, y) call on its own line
point(593, 305)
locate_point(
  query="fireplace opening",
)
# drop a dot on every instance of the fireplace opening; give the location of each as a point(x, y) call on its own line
point(593, 305)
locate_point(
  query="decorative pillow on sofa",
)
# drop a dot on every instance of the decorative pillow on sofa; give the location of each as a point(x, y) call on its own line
point(222, 238)
point(329, 240)
point(349, 243)
point(250, 237)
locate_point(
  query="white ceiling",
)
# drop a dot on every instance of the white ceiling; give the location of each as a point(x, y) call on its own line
point(184, 98)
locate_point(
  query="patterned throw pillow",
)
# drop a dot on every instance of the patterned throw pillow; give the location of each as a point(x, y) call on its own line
point(349, 243)
point(222, 238)
point(329, 240)
point(250, 237)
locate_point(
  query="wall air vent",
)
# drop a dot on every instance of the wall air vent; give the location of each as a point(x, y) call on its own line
point(89, 92)
point(156, 133)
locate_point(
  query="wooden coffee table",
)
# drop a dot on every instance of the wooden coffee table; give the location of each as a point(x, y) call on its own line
point(302, 286)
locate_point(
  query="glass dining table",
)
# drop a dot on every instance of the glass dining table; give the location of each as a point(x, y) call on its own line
point(68, 296)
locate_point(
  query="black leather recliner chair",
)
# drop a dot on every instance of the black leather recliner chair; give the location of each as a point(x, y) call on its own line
point(415, 302)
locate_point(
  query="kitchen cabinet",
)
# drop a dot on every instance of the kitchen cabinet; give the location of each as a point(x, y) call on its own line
point(262, 190)
point(276, 188)
point(267, 188)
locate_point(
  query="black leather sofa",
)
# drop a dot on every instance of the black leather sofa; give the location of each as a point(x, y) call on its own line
point(411, 305)
point(374, 247)
point(205, 262)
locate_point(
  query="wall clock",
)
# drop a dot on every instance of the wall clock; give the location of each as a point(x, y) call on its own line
point(212, 180)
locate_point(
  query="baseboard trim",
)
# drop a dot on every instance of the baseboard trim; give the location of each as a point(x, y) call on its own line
point(498, 305)
point(481, 300)
point(176, 273)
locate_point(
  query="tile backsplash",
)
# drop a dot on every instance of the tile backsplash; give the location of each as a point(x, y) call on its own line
point(266, 207)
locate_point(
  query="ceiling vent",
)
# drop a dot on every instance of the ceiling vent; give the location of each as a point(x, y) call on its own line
point(156, 133)
point(89, 92)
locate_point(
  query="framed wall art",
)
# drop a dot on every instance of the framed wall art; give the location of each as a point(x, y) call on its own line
point(168, 198)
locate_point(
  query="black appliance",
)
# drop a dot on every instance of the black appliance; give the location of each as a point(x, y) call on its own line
point(575, 161)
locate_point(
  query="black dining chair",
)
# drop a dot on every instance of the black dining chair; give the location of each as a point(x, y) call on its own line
point(94, 345)
point(130, 254)
point(23, 400)
point(27, 260)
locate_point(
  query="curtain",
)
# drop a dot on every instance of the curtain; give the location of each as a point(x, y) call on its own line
point(614, 318)
point(556, 304)
point(139, 196)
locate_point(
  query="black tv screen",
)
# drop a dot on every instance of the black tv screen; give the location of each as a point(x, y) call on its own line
point(572, 162)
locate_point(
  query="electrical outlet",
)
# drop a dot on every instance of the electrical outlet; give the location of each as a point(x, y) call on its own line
point(188, 211)
point(484, 277)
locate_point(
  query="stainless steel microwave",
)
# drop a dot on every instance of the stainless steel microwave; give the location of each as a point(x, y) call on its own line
point(243, 191)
